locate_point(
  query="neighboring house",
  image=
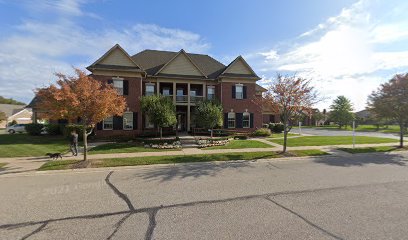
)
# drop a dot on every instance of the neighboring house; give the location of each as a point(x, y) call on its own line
point(15, 112)
point(185, 78)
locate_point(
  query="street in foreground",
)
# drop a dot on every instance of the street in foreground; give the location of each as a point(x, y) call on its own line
point(361, 197)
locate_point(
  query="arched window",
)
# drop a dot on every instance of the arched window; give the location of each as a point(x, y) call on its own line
point(231, 120)
point(246, 120)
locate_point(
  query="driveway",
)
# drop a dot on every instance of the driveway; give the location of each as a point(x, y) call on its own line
point(325, 132)
point(358, 197)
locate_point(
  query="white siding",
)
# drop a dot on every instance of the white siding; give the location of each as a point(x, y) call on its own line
point(117, 57)
point(181, 65)
point(238, 67)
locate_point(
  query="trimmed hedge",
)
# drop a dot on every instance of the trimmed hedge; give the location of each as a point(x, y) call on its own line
point(262, 132)
point(34, 129)
point(54, 129)
point(276, 127)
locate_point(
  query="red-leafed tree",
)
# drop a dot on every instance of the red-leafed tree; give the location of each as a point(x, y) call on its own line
point(289, 96)
point(80, 97)
point(391, 101)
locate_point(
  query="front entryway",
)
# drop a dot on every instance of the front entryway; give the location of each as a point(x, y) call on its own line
point(181, 121)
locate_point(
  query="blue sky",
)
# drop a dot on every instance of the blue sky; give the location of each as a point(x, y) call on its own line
point(346, 47)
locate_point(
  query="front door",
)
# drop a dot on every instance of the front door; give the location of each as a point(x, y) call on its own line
point(181, 122)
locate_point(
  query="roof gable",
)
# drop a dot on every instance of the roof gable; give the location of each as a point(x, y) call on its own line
point(181, 64)
point(116, 56)
point(239, 66)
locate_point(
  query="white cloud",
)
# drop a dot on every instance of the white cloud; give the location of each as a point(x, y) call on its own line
point(36, 50)
point(349, 54)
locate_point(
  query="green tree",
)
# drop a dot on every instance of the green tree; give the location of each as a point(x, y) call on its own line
point(341, 111)
point(4, 100)
point(209, 114)
point(390, 101)
point(160, 109)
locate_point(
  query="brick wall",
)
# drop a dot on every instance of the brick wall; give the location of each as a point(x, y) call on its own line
point(240, 105)
point(132, 100)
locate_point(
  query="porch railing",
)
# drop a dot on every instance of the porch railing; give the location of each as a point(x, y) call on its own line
point(194, 99)
point(181, 98)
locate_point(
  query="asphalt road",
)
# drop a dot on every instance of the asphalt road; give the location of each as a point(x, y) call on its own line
point(334, 132)
point(359, 197)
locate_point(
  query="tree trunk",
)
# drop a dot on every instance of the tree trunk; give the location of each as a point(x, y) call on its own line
point(161, 133)
point(212, 130)
point(401, 135)
point(285, 135)
point(85, 139)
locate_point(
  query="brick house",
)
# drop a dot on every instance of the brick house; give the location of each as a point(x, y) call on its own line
point(184, 77)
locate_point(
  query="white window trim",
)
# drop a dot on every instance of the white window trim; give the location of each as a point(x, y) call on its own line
point(208, 92)
point(113, 84)
point(149, 84)
point(228, 120)
point(103, 124)
point(123, 123)
point(249, 119)
point(242, 92)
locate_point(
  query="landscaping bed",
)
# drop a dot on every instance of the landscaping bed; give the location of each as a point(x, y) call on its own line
point(115, 162)
point(238, 144)
point(332, 140)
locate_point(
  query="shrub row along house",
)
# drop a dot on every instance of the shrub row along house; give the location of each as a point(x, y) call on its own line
point(185, 78)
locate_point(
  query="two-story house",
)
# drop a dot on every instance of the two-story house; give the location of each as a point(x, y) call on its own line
point(185, 78)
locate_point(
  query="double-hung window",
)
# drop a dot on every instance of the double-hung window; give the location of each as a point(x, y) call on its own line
point(231, 120)
point(128, 121)
point(246, 120)
point(239, 91)
point(210, 92)
point(166, 91)
point(118, 85)
point(149, 90)
point(108, 123)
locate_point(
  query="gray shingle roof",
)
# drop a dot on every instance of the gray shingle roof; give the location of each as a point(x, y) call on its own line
point(10, 109)
point(153, 60)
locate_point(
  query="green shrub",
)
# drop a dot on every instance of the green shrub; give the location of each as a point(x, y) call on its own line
point(276, 127)
point(262, 132)
point(53, 129)
point(34, 129)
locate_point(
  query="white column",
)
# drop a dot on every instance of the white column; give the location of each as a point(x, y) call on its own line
point(158, 87)
point(174, 92)
point(204, 91)
point(188, 107)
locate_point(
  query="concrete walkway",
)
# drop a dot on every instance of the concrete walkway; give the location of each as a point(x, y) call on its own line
point(30, 164)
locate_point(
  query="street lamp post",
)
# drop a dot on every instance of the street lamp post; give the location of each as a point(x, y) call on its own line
point(354, 133)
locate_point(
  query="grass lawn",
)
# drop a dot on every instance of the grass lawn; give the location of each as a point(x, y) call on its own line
point(332, 140)
point(372, 149)
point(280, 135)
point(362, 128)
point(115, 162)
point(124, 148)
point(23, 145)
point(237, 144)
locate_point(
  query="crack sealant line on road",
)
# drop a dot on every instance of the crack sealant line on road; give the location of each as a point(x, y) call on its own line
point(188, 204)
point(307, 221)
